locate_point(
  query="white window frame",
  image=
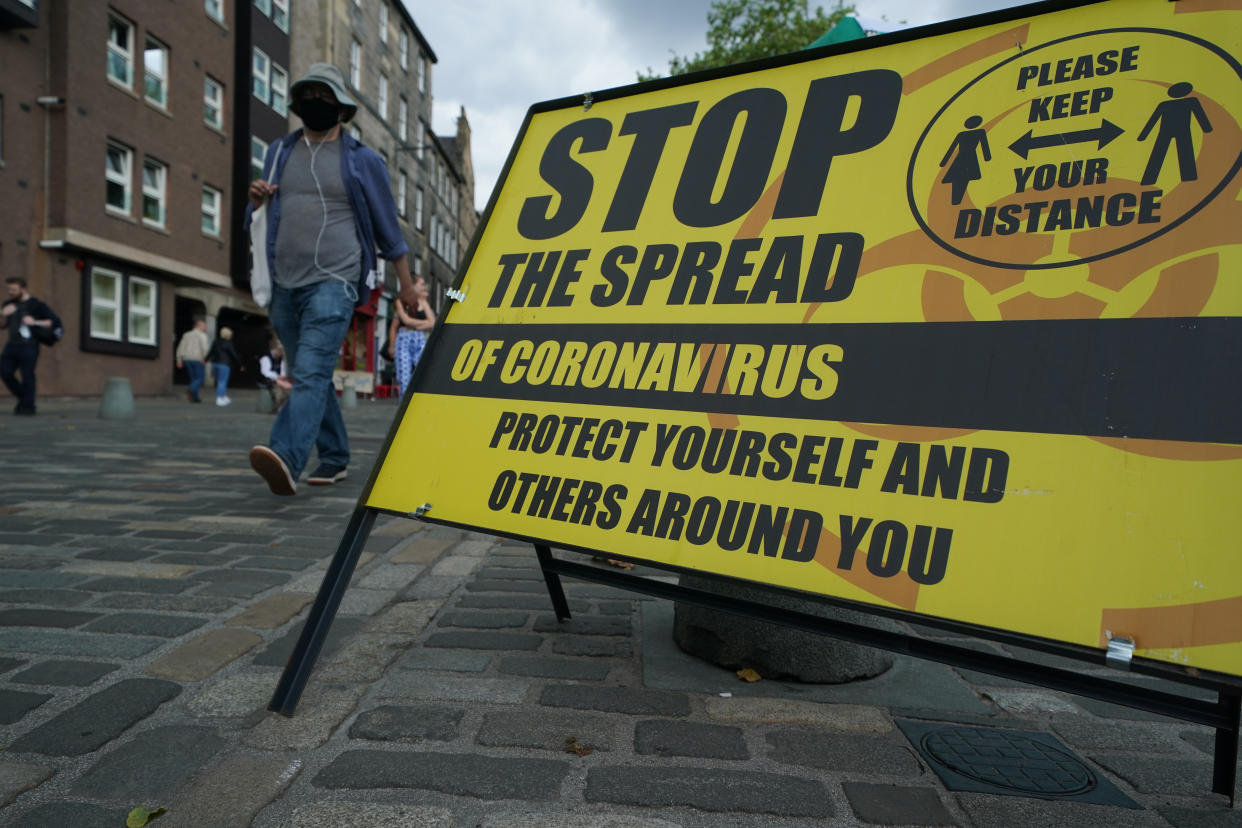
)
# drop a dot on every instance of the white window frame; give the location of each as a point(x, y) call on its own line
point(383, 22)
point(280, 89)
point(280, 14)
point(382, 98)
point(123, 53)
point(214, 9)
point(403, 119)
point(355, 64)
point(113, 304)
point(157, 193)
point(125, 178)
point(154, 45)
point(418, 208)
point(256, 162)
point(213, 101)
point(212, 201)
point(264, 7)
point(263, 77)
point(420, 140)
point(401, 193)
point(134, 311)
point(403, 49)
point(422, 73)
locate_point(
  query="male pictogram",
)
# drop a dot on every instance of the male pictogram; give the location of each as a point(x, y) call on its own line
point(1173, 117)
point(965, 167)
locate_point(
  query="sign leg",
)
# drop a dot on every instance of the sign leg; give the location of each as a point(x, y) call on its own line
point(323, 611)
point(1225, 764)
point(555, 591)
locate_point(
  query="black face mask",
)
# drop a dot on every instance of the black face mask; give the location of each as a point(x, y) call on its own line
point(318, 114)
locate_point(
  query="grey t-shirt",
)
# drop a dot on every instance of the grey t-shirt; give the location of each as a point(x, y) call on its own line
point(316, 237)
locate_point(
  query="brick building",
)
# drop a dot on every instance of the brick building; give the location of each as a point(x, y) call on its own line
point(114, 192)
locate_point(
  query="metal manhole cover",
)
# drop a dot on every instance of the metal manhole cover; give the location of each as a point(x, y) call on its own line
point(1009, 759)
point(1009, 762)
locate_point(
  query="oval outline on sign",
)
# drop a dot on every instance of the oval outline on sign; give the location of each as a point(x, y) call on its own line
point(1023, 54)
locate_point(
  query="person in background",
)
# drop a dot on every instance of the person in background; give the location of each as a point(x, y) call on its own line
point(192, 355)
point(272, 376)
point(330, 217)
point(21, 312)
point(223, 358)
point(412, 335)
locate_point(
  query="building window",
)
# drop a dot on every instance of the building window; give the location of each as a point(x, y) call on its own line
point(261, 75)
point(422, 74)
point(154, 192)
point(401, 193)
point(119, 174)
point(155, 68)
point(383, 27)
point(355, 64)
point(121, 310)
point(403, 49)
point(403, 119)
point(280, 14)
point(105, 304)
point(265, 6)
point(280, 90)
point(418, 208)
point(120, 50)
point(258, 151)
point(420, 141)
point(213, 102)
point(141, 311)
point(215, 9)
point(383, 96)
point(211, 210)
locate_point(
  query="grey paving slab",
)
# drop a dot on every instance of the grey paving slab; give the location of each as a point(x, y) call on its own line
point(896, 804)
point(77, 814)
point(7, 664)
point(49, 597)
point(75, 643)
point(633, 701)
point(149, 767)
point(15, 704)
point(547, 730)
point(709, 789)
point(558, 668)
point(450, 660)
point(278, 652)
point(887, 754)
point(143, 623)
point(408, 723)
point(63, 619)
point(344, 813)
point(585, 625)
point(573, 645)
point(414, 684)
point(173, 603)
point(232, 792)
point(484, 640)
point(158, 586)
point(671, 737)
point(483, 777)
point(97, 719)
point(483, 620)
point(18, 777)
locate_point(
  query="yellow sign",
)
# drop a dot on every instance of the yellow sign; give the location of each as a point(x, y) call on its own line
point(944, 325)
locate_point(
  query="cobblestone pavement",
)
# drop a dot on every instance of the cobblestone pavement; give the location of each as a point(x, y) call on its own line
point(151, 589)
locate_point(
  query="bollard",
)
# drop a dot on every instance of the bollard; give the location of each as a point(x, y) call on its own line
point(265, 404)
point(349, 395)
point(117, 402)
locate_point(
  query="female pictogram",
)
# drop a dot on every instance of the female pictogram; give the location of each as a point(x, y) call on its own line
point(1174, 116)
point(965, 167)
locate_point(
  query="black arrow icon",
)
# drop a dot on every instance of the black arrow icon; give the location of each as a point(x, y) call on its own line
point(1105, 135)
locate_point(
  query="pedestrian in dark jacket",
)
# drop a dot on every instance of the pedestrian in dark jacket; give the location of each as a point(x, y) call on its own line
point(223, 359)
point(21, 313)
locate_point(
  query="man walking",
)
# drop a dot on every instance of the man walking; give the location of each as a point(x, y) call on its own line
point(22, 312)
point(192, 355)
point(330, 216)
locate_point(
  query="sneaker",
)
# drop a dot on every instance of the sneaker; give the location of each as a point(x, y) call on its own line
point(326, 475)
point(273, 470)
point(223, 401)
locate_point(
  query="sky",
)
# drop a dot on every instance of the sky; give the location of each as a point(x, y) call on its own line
point(496, 57)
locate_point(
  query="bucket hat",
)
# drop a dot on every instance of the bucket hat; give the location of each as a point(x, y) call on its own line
point(331, 77)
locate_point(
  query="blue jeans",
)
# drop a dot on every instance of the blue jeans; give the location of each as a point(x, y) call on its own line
point(197, 372)
point(221, 372)
point(311, 322)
